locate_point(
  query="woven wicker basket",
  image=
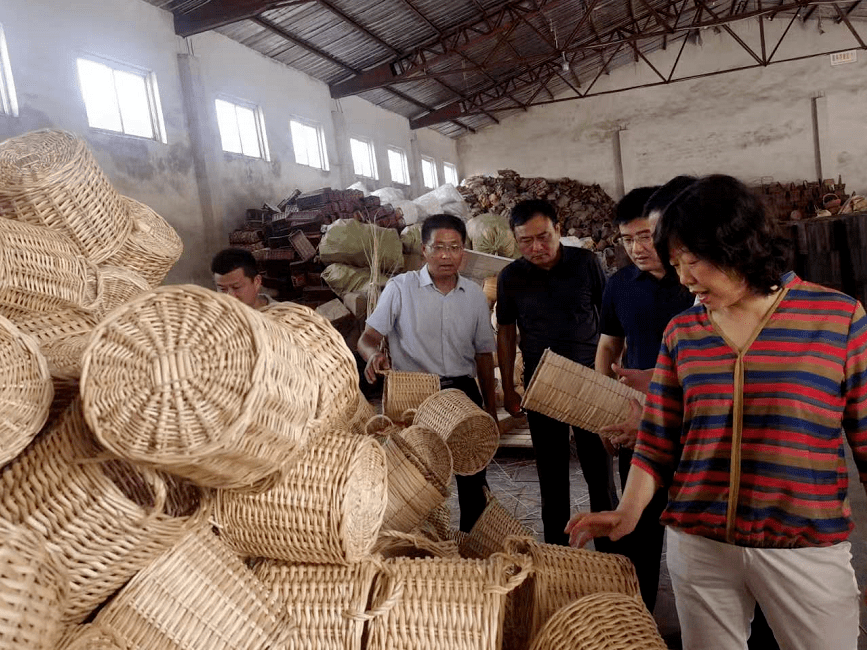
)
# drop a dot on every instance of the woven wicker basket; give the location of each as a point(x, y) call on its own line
point(470, 433)
point(327, 510)
point(391, 544)
point(119, 285)
point(198, 383)
point(580, 396)
point(107, 518)
point(49, 178)
point(197, 595)
point(492, 528)
point(90, 637)
point(33, 589)
point(64, 356)
point(41, 271)
point(326, 603)
point(438, 524)
point(431, 450)
point(359, 414)
point(413, 488)
point(560, 575)
point(152, 246)
point(446, 604)
point(48, 326)
point(601, 622)
point(338, 371)
point(25, 393)
point(405, 391)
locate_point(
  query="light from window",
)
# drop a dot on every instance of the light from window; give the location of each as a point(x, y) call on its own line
point(397, 166)
point(429, 172)
point(120, 100)
point(450, 172)
point(309, 144)
point(8, 99)
point(241, 129)
point(363, 159)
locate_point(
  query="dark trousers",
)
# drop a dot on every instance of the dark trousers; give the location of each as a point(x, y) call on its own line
point(471, 493)
point(551, 444)
point(644, 544)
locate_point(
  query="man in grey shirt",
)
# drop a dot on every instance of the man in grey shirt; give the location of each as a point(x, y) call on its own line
point(438, 322)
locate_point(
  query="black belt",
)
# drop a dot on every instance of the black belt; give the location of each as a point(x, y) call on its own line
point(447, 382)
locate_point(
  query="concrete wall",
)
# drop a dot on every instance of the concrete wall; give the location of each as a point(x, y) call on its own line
point(752, 124)
point(201, 190)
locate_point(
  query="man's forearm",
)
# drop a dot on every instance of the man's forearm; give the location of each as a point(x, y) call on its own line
point(506, 356)
point(485, 368)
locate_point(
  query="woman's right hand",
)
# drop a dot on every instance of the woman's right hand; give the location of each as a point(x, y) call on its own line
point(584, 526)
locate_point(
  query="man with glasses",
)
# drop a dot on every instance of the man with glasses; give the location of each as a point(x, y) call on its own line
point(438, 322)
point(552, 296)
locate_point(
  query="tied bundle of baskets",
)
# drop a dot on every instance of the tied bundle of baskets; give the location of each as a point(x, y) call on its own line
point(491, 530)
point(198, 383)
point(572, 393)
point(50, 178)
point(196, 595)
point(405, 391)
point(26, 391)
point(327, 510)
point(470, 433)
point(34, 588)
point(607, 621)
point(106, 518)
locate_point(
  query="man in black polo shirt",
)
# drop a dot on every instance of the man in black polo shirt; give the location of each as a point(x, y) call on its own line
point(552, 295)
point(637, 305)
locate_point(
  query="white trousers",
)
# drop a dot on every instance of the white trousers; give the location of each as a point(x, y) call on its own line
point(808, 595)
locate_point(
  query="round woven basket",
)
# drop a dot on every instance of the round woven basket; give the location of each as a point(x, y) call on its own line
point(64, 355)
point(413, 488)
point(33, 588)
point(119, 286)
point(492, 528)
point(25, 393)
point(152, 246)
point(197, 595)
point(438, 524)
point(470, 433)
point(50, 178)
point(198, 383)
point(325, 603)
point(332, 358)
point(91, 637)
point(359, 414)
point(432, 451)
point(327, 510)
point(561, 575)
point(446, 603)
point(41, 271)
point(405, 391)
point(107, 518)
point(48, 326)
point(601, 622)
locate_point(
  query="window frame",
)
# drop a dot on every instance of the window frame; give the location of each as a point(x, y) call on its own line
point(320, 140)
point(433, 167)
point(259, 118)
point(8, 97)
point(452, 166)
point(404, 162)
point(152, 94)
point(371, 152)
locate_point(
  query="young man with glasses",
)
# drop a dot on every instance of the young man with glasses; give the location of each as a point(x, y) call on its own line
point(438, 322)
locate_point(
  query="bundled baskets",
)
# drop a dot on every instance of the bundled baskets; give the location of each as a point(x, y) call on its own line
point(327, 510)
point(572, 393)
point(50, 178)
point(33, 588)
point(470, 433)
point(607, 621)
point(198, 383)
point(405, 391)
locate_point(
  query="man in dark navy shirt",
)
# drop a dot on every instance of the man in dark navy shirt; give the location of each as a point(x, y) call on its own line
point(552, 296)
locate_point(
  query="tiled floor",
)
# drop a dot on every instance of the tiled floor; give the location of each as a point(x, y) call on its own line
point(513, 480)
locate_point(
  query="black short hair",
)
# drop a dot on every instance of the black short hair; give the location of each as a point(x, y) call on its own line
point(660, 199)
point(631, 206)
point(447, 221)
point(526, 210)
point(718, 219)
point(229, 259)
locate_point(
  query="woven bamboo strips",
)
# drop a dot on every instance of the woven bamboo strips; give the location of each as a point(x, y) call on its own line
point(405, 391)
point(392, 543)
point(489, 533)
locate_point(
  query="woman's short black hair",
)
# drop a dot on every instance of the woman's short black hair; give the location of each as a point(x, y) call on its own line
point(526, 210)
point(447, 221)
point(718, 219)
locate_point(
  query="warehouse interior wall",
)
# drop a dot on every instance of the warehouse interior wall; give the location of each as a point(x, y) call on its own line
point(198, 188)
point(789, 121)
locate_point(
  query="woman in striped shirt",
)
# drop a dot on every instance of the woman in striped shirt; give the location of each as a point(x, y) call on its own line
point(754, 390)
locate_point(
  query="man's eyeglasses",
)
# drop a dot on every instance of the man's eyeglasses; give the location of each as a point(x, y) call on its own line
point(439, 249)
point(644, 240)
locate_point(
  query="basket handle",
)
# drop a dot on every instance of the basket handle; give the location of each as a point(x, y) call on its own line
point(96, 303)
point(408, 415)
point(525, 566)
point(393, 596)
point(374, 419)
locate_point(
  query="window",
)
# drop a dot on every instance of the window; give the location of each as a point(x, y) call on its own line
point(122, 99)
point(429, 172)
point(397, 165)
point(363, 159)
point(450, 172)
point(309, 143)
point(242, 129)
point(8, 99)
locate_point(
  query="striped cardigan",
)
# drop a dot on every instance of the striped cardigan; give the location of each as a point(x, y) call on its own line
point(804, 384)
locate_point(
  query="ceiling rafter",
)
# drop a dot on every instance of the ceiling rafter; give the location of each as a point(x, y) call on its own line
point(217, 14)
